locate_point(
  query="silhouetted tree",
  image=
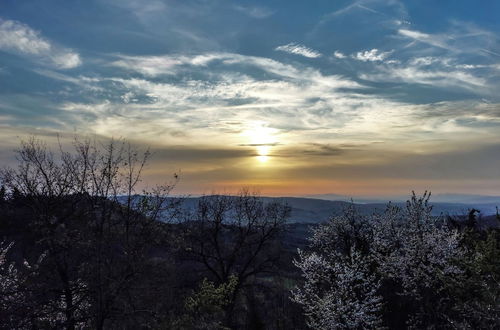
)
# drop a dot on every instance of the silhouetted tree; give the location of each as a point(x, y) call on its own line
point(84, 211)
point(235, 236)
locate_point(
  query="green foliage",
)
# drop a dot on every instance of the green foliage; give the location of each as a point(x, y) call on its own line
point(211, 298)
point(205, 307)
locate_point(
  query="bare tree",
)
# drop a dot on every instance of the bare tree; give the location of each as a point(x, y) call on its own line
point(235, 236)
point(95, 223)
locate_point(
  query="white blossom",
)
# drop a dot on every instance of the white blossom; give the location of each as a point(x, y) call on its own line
point(352, 256)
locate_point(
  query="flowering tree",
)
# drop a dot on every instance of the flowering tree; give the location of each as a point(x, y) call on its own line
point(340, 291)
point(393, 269)
point(417, 253)
point(16, 305)
point(9, 285)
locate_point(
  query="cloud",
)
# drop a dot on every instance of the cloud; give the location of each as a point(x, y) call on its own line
point(255, 11)
point(490, 52)
point(338, 54)
point(153, 66)
point(425, 61)
point(449, 63)
point(434, 40)
point(66, 60)
point(294, 48)
point(314, 149)
point(198, 112)
point(431, 77)
point(228, 89)
point(373, 55)
point(216, 96)
point(143, 10)
point(370, 13)
point(444, 72)
point(476, 66)
point(460, 38)
point(149, 65)
point(347, 9)
point(19, 38)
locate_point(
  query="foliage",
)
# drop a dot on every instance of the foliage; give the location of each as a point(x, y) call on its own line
point(205, 308)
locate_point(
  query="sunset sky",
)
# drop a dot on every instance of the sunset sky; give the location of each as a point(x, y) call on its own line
point(361, 98)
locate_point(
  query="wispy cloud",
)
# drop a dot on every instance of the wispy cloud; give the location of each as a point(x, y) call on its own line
point(459, 38)
point(434, 40)
point(294, 48)
point(414, 74)
point(380, 12)
point(355, 5)
point(19, 38)
point(224, 94)
point(300, 103)
point(149, 65)
point(172, 64)
point(255, 11)
point(143, 10)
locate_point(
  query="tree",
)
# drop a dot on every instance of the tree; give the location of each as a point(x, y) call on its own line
point(396, 269)
point(16, 307)
point(204, 308)
point(417, 257)
point(10, 293)
point(340, 290)
point(479, 289)
point(84, 209)
point(235, 236)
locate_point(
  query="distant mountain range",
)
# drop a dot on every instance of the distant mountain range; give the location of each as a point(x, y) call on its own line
point(435, 198)
point(314, 210)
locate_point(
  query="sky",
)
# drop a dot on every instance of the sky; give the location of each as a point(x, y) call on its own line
point(289, 98)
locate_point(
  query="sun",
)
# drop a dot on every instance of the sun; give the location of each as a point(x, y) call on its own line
point(263, 138)
point(263, 152)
